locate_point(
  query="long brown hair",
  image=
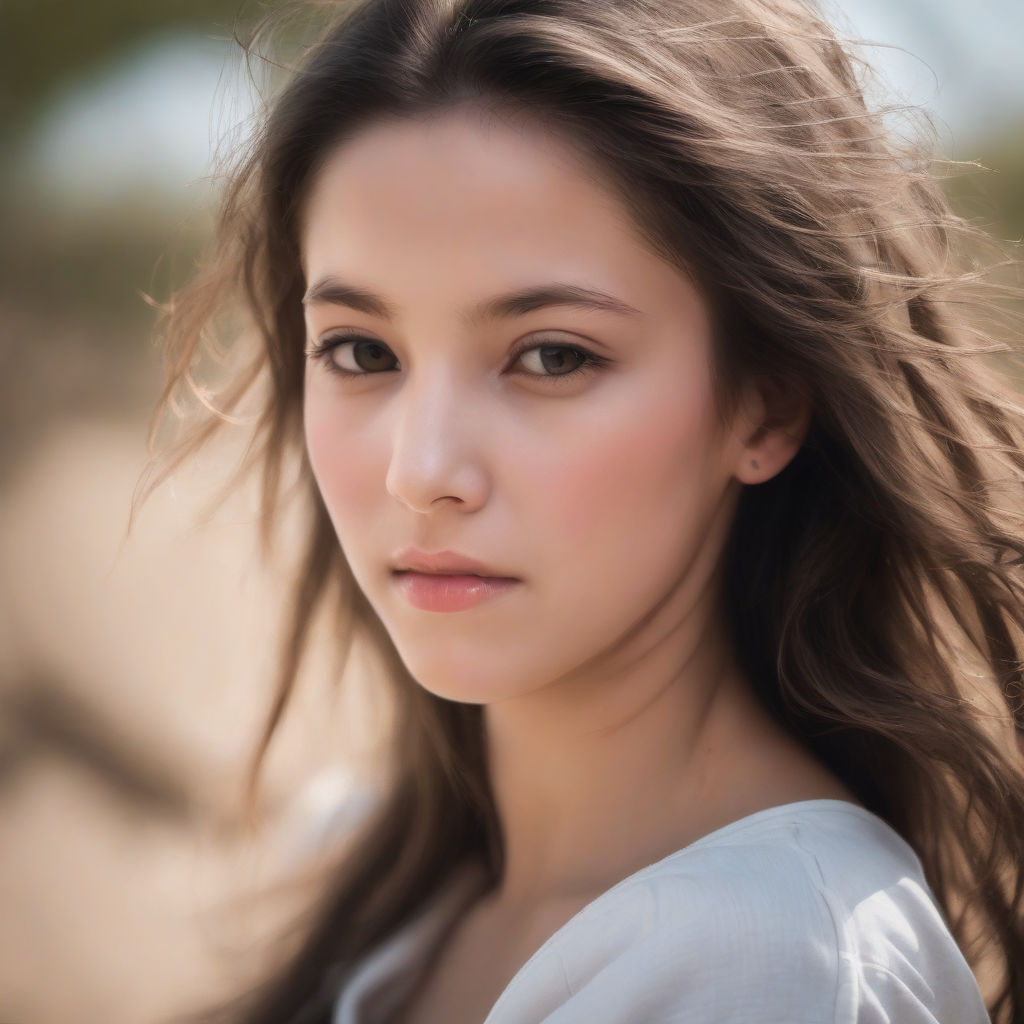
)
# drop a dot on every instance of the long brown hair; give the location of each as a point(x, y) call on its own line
point(875, 588)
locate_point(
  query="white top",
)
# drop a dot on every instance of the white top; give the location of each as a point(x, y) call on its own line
point(814, 912)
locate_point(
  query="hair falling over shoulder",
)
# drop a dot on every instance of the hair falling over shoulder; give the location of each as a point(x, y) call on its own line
point(875, 586)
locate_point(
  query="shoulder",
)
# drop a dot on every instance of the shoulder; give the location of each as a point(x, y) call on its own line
point(828, 895)
point(815, 912)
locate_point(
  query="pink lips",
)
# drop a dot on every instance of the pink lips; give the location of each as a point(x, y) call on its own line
point(444, 592)
point(445, 581)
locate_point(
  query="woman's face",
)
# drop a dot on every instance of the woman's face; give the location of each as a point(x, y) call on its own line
point(572, 447)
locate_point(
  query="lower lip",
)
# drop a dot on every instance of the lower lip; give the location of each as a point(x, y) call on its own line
point(436, 592)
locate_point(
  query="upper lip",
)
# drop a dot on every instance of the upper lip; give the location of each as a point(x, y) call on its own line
point(441, 562)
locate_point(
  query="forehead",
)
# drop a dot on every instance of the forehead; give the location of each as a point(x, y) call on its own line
point(472, 198)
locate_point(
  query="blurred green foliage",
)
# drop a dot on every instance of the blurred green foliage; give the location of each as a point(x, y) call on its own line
point(47, 44)
point(994, 197)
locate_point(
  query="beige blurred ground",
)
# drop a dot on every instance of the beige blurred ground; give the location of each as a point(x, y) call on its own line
point(133, 677)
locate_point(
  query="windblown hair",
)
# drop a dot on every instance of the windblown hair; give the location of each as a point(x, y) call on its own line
point(875, 587)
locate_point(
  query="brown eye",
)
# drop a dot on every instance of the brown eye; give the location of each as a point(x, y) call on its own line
point(559, 362)
point(366, 355)
point(555, 360)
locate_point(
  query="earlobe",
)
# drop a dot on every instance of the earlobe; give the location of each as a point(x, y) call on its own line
point(774, 420)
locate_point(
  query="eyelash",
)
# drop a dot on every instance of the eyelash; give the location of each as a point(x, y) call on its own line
point(321, 352)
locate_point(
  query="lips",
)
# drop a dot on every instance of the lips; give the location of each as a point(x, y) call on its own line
point(447, 581)
point(450, 592)
point(424, 572)
point(444, 563)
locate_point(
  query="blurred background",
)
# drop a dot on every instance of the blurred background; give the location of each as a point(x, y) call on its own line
point(134, 672)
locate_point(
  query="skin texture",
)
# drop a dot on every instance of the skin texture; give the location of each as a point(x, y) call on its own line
point(610, 692)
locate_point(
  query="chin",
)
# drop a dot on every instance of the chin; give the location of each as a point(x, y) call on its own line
point(464, 684)
point(468, 693)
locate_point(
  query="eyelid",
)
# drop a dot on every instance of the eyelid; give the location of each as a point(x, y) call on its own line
point(337, 335)
point(533, 341)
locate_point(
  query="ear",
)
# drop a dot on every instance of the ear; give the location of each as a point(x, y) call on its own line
point(772, 422)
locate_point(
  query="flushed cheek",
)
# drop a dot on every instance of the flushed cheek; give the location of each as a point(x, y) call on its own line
point(640, 488)
point(344, 460)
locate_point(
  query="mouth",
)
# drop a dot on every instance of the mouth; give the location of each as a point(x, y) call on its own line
point(448, 591)
point(454, 574)
point(443, 563)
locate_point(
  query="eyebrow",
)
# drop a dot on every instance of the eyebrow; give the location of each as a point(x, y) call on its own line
point(332, 291)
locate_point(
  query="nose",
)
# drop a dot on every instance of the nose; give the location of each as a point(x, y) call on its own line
point(436, 448)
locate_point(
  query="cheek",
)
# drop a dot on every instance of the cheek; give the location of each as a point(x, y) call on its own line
point(339, 455)
point(644, 472)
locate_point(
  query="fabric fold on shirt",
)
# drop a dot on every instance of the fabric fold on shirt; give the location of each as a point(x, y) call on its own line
point(813, 912)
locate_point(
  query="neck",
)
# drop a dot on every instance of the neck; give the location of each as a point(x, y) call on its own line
point(600, 774)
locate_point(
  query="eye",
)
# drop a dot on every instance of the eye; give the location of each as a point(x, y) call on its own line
point(365, 356)
point(553, 360)
point(559, 360)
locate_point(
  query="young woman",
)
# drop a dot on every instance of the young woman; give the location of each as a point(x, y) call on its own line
point(636, 380)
